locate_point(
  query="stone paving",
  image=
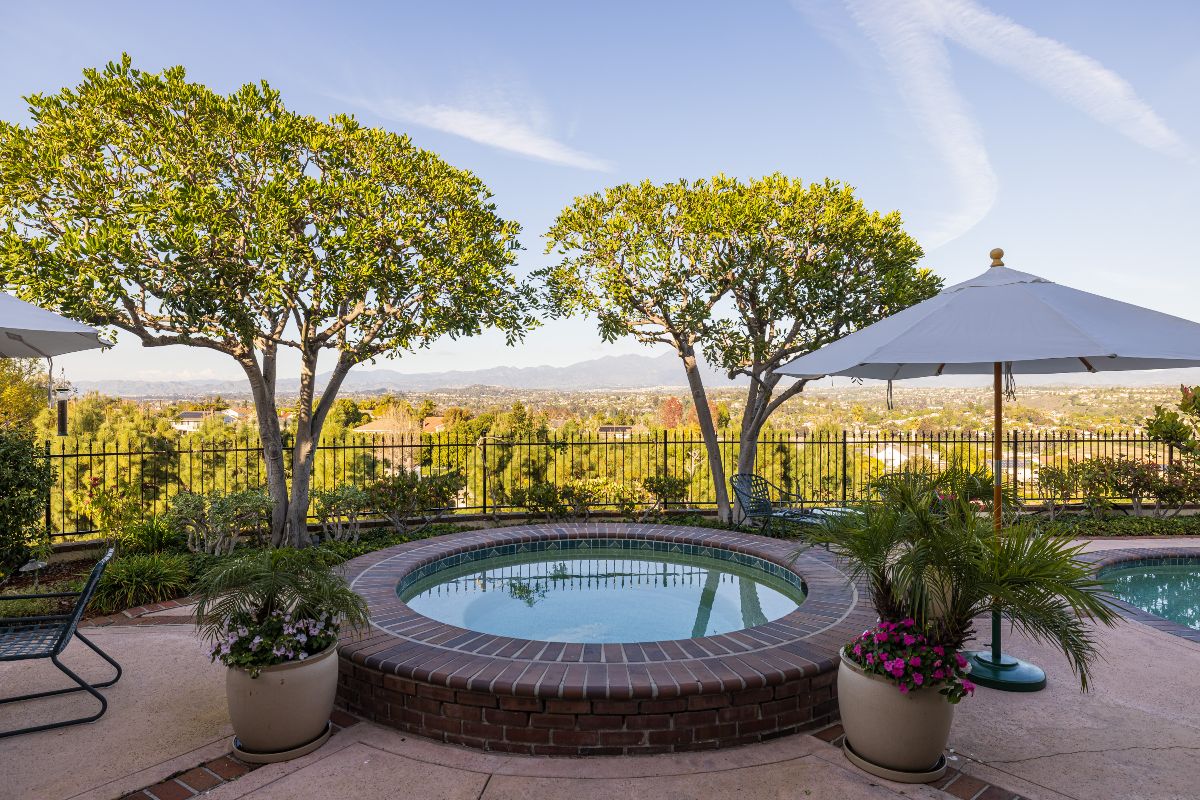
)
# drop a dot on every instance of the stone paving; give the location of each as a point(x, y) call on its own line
point(1135, 736)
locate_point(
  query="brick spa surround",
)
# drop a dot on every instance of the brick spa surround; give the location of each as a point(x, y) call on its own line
point(552, 698)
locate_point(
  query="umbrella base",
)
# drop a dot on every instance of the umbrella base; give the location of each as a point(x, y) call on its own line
point(1009, 675)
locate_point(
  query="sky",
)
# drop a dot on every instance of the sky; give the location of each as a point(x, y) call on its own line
point(1066, 133)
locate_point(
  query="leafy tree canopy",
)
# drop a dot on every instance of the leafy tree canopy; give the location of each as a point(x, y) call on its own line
point(154, 205)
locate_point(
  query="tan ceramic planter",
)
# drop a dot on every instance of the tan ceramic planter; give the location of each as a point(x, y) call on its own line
point(286, 706)
point(899, 733)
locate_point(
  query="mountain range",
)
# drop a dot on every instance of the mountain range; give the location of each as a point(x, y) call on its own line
point(622, 372)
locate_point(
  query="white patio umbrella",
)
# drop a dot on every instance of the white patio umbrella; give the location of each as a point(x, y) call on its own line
point(27, 331)
point(1005, 320)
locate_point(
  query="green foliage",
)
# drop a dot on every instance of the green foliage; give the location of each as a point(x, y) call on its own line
point(753, 273)
point(22, 391)
point(254, 584)
point(214, 522)
point(25, 481)
point(407, 497)
point(1122, 525)
point(940, 563)
point(1057, 485)
point(150, 535)
point(112, 507)
point(143, 202)
point(666, 491)
point(340, 511)
point(137, 580)
point(541, 499)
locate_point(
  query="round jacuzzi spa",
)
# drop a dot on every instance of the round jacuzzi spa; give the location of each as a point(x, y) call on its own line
point(598, 638)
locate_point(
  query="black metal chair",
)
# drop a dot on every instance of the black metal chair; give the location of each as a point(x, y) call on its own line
point(763, 501)
point(25, 638)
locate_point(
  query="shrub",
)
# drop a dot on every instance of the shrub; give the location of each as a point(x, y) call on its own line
point(112, 509)
point(214, 522)
point(581, 496)
point(25, 481)
point(1057, 487)
point(340, 512)
point(1121, 525)
point(665, 490)
point(264, 607)
point(406, 497)
point(136, 580)
point(540, 500)
point(150, 535)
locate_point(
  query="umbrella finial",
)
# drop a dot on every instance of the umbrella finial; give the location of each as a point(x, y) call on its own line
point(997, 257)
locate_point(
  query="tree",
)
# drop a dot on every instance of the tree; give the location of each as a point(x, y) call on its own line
point(156, 206)
point(670, 412)
point(22, 391)
point(750, 273)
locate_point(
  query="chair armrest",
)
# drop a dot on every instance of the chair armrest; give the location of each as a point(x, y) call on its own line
point(38, 596)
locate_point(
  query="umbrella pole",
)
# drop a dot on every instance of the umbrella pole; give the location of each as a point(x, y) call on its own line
point(992, 668)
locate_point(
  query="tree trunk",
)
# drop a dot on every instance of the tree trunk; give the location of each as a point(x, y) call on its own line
point(310, 421)
point(263, 391)
point(708, 432)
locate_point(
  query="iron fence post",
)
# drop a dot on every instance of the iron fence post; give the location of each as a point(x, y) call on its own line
point(845, 468)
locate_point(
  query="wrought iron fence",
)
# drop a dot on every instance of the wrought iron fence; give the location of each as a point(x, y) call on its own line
point(826, 469)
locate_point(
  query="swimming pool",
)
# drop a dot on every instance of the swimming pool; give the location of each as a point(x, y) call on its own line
point(606, 595)
point(1166, 587)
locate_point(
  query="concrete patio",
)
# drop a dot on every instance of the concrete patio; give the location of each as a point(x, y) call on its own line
point(1136, 736)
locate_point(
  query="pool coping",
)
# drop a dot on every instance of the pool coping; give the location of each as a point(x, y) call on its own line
point(801, 644)
point(1099, 559)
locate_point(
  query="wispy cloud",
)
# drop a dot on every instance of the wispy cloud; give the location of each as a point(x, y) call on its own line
point(505, 128)
point(911, 38)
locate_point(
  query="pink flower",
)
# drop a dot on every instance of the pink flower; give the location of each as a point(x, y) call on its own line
point(881, 637)
point(941, 651)
point(909, 640)
point(938, 674)
point(858, 650)
point(968, 687)
point(918, 679)
point(915, 661)
point(904, 688)
point(870, 658)
point(908, 622)
point(962, 662)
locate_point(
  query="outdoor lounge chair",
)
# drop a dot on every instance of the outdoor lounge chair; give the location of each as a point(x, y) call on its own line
point(24, 638)
point(761, 500)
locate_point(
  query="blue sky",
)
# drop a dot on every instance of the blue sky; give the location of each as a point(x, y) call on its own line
point(1066, 133)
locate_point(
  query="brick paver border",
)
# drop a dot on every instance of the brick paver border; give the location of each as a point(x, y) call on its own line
point(518, 696)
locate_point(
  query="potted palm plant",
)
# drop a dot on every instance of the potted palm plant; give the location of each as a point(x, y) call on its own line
point(272, 616)
point(933, 564)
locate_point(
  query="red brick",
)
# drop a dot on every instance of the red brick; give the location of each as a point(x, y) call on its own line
point(199, 779)
point(423, 704)
point(527, 735)
point(495, 716)
point(556, 706)
point(435, 692)
point(455, 711)
point(793, 688)
point(648, 722)
point(778, 707)
point(342, 719)
point(398, 684)
point(170, 790)
point(724, 731)
point(443, 725)
point(137, 796)
point(228, 768)
point(482, 730)
point(668, 737)
point(753, 696)
point(663, 706)
point(702, 702)
point(615, 706)
point(737, 713)
point(552, 720)
point(466, 698)
point(965, 787)
point(598, 722)
point(520, 704)
point(621, 738)
point(575, 738)
point(693, 719)
point(830, 733)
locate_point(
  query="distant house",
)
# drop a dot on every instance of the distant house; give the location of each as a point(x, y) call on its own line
point(391, 426)
point(190, 421)
point(433, 425)
point(616, 431)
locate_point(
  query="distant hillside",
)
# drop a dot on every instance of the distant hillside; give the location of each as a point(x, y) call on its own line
point(608, 372)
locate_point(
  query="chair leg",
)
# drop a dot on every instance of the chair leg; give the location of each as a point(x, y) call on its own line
point(83, 686)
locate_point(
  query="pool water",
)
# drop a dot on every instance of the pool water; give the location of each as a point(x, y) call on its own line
point(1167, 588)
point(603, 596)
